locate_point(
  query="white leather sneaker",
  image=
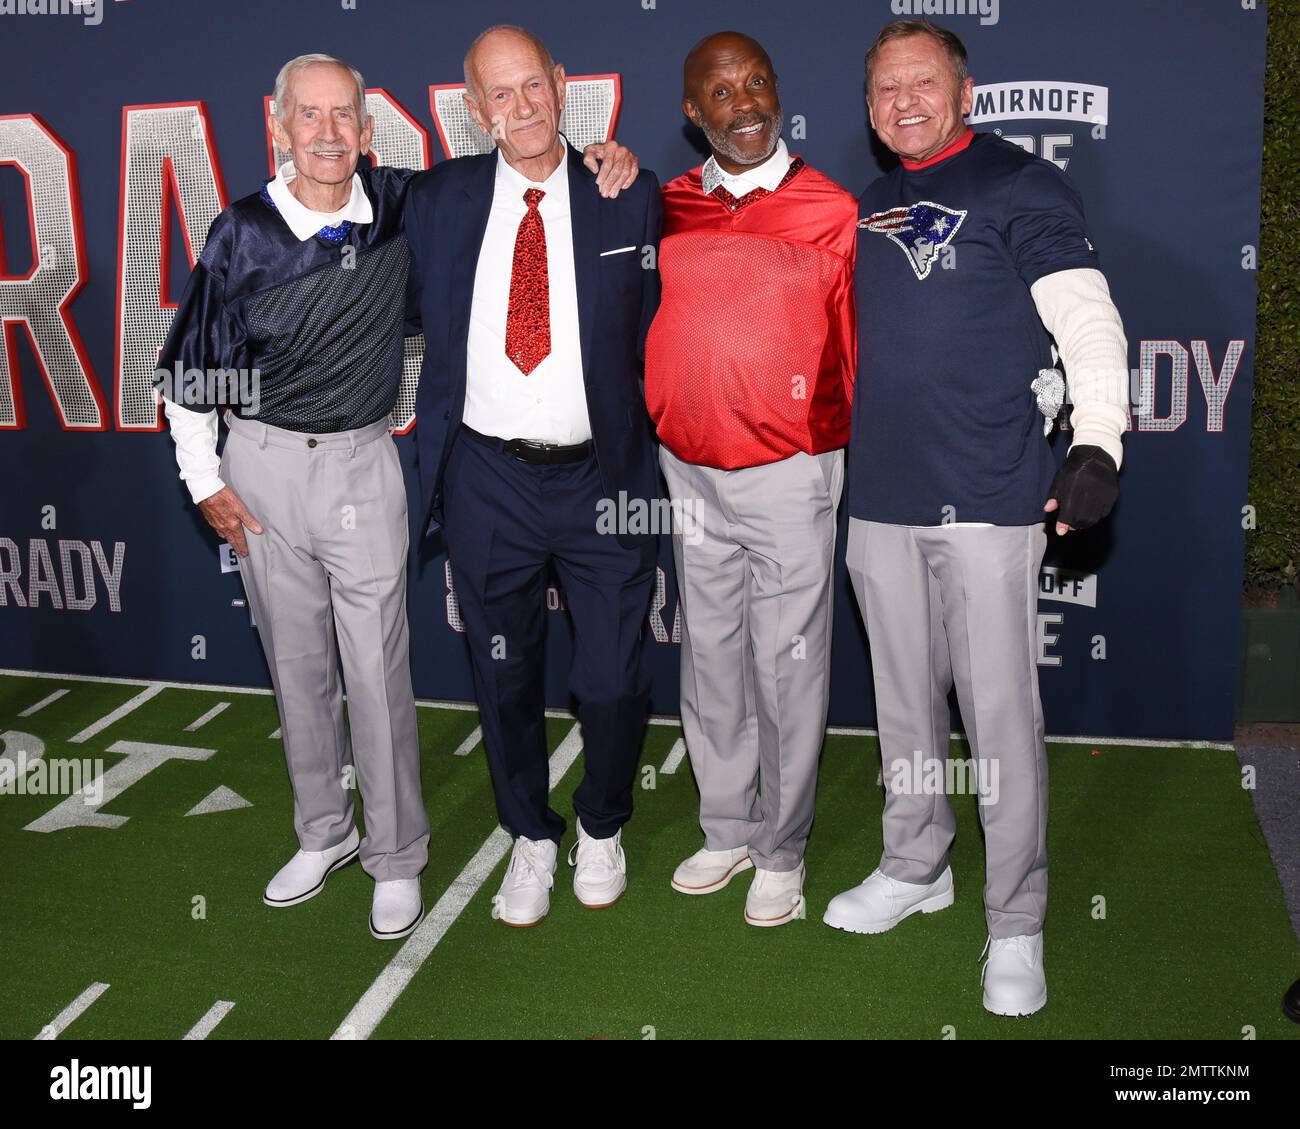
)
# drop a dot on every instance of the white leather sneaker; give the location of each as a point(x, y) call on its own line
point(881, 902)
point(1013, 979)
point(525, 894)
point(706, 871)
point(775, 897)
point(303, 876)
point(600, 869)
point(396, 909)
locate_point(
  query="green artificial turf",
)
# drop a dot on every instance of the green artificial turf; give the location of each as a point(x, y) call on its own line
point(1194, 941)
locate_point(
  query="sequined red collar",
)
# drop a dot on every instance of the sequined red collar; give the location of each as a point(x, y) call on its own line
point(737, 204)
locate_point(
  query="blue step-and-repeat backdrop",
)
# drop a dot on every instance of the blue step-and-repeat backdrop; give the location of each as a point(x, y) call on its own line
point(125, 126)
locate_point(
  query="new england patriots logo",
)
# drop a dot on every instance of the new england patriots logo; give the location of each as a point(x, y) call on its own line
point(921, 230)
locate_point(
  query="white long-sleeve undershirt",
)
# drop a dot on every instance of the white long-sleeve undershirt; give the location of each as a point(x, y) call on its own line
point(195, 435)
point(1076, 308)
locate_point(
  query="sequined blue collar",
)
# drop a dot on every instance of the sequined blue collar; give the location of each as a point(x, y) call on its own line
point(335, 234)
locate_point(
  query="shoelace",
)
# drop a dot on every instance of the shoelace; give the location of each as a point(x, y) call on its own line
point(608, 856)
point(1020, 944)
point(526, 869)
point(763, 877)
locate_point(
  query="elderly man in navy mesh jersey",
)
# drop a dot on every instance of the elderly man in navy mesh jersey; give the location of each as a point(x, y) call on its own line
point(304, 284)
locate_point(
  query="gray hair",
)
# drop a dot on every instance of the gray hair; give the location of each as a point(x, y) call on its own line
point(302, 62)
point(547, 62)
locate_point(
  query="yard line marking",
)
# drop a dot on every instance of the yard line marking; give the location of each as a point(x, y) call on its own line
point(151, 691)
point(220, 798)
point(214, 1015)
point(1059, 739)
point(200, 722)
point(43, 703)
point(366, 1014)
point(653, 719)
point(470, 743)
point(80, 810)
point(59, 1023)
point(674, 757)
point(274, 736)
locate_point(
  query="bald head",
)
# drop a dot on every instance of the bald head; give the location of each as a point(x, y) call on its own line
point(718, 49)
point(499, 38)
point(729, 91)
point(515, 92)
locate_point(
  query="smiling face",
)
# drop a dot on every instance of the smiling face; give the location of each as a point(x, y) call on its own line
point(517, 97)
point(321, 127)
point(916, 103)
point(730, 93)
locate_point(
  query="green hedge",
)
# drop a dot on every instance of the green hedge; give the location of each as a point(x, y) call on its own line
point(1273, 548)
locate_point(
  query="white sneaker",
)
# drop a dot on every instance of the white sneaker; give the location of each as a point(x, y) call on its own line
point(525, 894)
point(881, 902)
point(396, 909)
point(303, 876)
point(600, 869)
point(775, 897)
point(1013, 979)
point(706, 871)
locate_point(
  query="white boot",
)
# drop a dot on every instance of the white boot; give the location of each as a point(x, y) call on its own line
point(600, 869)
point(1013, 979)
point(706, 871)
point(525, 894)
point(775, 897)
point(303, 876)
point(881, 902)
point(396, 909)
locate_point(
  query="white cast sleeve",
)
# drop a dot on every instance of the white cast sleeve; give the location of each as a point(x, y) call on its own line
point(1076, 308)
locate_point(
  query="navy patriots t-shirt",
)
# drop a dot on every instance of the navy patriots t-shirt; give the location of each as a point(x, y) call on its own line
point(946, 427)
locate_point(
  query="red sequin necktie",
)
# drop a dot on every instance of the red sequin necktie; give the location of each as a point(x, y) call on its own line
point(528, 317)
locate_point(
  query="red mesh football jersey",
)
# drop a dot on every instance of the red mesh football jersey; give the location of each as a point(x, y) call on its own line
point(752, 354)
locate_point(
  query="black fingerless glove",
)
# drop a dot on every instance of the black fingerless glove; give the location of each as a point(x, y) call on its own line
point(1085, 488)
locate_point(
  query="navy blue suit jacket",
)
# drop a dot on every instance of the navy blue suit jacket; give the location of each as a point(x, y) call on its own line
point(446, 217)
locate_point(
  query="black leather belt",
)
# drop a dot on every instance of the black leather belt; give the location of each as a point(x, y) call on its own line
point(529, 451)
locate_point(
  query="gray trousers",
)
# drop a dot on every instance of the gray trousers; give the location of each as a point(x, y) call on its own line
point(943, 606)
point(754, 574)
point(330, 570)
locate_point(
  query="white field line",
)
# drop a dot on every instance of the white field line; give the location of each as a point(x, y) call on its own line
point(59, 1023)
point(657, 719)
point(366, 1014)
point(470, 743)
point(200, 722)
point(151, 691)
point(214, 1015)
point(43, 703)
point(674, 757)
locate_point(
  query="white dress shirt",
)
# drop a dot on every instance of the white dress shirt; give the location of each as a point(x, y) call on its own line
point(549, 405)
point(766, 174)
point(195, 432)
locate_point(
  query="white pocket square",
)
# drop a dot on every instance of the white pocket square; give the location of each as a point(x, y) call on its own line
point(618, 251)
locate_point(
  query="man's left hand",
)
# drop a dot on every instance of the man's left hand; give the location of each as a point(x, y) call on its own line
point(615, 167)
point(1084, 489)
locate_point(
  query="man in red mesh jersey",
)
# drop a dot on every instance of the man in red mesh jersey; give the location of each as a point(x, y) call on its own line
point(749, 373)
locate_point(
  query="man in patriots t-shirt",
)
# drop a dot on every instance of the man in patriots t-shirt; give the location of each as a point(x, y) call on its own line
point(972, 259)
